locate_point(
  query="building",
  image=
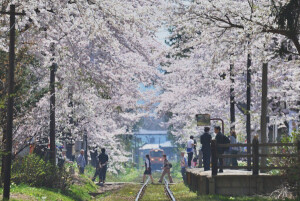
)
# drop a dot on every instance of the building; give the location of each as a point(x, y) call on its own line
point(146, 140)
point(151, 137)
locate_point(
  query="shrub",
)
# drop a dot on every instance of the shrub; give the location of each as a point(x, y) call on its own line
point(35, 171)
point(293, 173)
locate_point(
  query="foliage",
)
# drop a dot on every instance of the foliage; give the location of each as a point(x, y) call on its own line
point(80, 190)
point(103, 49)
point(34, 171)
point(223, 33)
point(294, 171)
point(285, 161)
point(26, 90)
point(25, 192)
point(77, 191)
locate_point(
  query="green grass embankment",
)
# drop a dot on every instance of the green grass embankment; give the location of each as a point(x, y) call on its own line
point(78, 191)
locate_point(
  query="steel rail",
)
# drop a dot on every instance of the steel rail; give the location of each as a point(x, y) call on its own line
point(168, 191)
point(142, 190)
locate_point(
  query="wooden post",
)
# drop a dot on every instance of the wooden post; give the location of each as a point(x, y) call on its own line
point(52, 115)
point(10, 105)
point(214, 158)
point(264, 111)
point(248, 115)
point(255, 170)
point(232, 97)
point(298, 185)
point(298, 148)
point(85, 141)
point(10, 102)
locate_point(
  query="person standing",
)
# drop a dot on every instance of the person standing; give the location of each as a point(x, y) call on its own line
point(62, 159)
point(103, 160)
point(205, 140)
point(195, 155)
point(233, 150)
point(166, 170)
point(189, 150)
point(148, 169)
point(81, 162)
point(183, 165)
point(97, 171)
point(220, 140)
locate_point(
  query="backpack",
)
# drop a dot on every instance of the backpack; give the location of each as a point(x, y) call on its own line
point(168, 165)
point(226, 141)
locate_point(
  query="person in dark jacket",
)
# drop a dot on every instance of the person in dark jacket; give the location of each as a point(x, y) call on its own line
point(205, 140)
point(220, 140)
point(103, 160)
point(96, 161)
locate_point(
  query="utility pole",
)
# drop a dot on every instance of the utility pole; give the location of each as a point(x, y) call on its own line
point(264, 110)
point(232, 99)
point(10, 101)
point(85, 146)
point(248, 114)
point(52, 115)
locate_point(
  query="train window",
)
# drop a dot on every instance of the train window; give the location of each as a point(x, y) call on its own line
point(156, 153)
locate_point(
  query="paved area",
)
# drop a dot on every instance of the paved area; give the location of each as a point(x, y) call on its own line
point(200, 171)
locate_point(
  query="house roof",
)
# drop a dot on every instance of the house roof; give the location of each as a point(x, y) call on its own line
point(151, 132)
point(150, 146)
point(167, 144)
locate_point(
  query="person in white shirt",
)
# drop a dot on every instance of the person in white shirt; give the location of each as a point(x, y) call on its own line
point(189, 150)
point(148, 168)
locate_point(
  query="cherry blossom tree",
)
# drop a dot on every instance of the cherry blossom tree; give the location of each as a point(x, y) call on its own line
point(208, 36)
point(103, 50)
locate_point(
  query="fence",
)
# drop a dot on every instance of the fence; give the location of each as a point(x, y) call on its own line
point(255, 146)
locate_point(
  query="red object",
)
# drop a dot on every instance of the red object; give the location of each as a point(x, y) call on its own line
point(31, 148)
point(156, 156)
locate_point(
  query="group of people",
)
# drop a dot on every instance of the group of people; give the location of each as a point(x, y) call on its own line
point(101, 167)
point(166, 169)
point(205, 140)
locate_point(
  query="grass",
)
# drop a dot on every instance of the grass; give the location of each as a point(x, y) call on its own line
point(134, 175)
point(129, 175)
point(79, 191)
point(155, 192)
point(128, 192)
point(82, 186)
point(24, 192)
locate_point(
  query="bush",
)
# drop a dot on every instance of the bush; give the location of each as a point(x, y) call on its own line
point(34, 171)
point(293, 173)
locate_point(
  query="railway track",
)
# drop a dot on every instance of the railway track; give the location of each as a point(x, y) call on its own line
point(142, 190)
point(168, 192)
